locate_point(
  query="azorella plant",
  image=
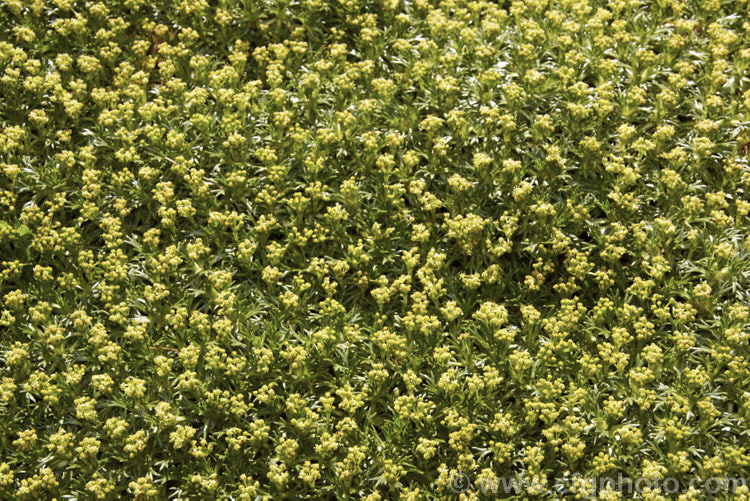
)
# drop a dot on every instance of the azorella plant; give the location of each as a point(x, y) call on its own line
point(337, 249)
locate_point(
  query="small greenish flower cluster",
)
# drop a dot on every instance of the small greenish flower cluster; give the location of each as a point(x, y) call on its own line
point(335, 249)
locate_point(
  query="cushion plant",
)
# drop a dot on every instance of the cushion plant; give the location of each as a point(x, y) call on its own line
point(379, 249)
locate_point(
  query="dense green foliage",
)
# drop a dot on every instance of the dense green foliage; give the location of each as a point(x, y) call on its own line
point(334, 249)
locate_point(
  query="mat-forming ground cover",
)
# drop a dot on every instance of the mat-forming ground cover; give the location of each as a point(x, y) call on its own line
point(333, 249)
